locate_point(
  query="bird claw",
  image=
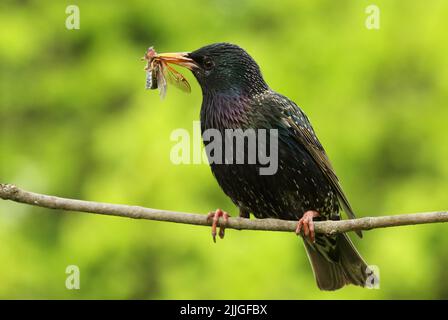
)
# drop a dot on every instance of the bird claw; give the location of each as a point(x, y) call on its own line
point(216, 215)
point(307, 223)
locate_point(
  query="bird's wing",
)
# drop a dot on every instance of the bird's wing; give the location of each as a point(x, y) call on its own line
point(295, 119)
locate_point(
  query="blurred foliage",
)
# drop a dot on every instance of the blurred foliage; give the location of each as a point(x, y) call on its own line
point(75, 121)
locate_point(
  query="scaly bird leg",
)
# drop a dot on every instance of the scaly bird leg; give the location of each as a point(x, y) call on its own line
point(216, 215)
point(307, 223)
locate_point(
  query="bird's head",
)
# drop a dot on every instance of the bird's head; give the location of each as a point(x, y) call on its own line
point(224, 68)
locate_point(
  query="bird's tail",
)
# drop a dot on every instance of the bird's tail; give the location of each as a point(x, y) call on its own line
point(336, 262)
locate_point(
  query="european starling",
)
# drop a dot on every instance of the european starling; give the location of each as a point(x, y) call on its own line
point(304, 187)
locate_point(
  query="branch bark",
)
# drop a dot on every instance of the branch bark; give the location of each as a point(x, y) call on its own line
point(11, 192)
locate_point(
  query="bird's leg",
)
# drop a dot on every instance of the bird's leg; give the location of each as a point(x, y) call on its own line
point(307, 223)
point(244, 213)
point(216, 215)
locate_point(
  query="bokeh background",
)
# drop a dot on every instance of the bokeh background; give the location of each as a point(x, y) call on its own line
point(75, 121)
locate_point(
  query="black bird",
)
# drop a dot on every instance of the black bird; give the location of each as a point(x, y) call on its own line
point(304, 187)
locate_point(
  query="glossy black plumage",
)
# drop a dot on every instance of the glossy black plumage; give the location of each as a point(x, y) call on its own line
point(235, 96)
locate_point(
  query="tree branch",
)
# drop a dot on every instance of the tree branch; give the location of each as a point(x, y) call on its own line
point(11, 192)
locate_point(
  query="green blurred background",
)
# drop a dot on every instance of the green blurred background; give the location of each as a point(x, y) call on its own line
point(75, 121)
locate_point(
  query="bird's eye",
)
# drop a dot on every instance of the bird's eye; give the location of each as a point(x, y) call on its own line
point(208, 63)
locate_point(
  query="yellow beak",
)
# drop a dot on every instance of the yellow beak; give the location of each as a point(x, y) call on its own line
point(178, 58)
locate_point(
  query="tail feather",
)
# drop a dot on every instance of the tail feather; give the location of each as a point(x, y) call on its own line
point(346, 266)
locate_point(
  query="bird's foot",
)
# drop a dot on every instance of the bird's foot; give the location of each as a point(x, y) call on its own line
point(216, 215)
point(307, 223)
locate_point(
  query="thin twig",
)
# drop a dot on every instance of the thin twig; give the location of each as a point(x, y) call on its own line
point(11, 192)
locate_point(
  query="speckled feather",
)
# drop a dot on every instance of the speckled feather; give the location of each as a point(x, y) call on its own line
point(299, 184)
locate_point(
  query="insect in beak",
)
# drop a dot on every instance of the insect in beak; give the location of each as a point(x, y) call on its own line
point(179, 58)
point(159, 70)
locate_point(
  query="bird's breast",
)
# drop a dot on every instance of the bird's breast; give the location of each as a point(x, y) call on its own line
point(224, 112)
